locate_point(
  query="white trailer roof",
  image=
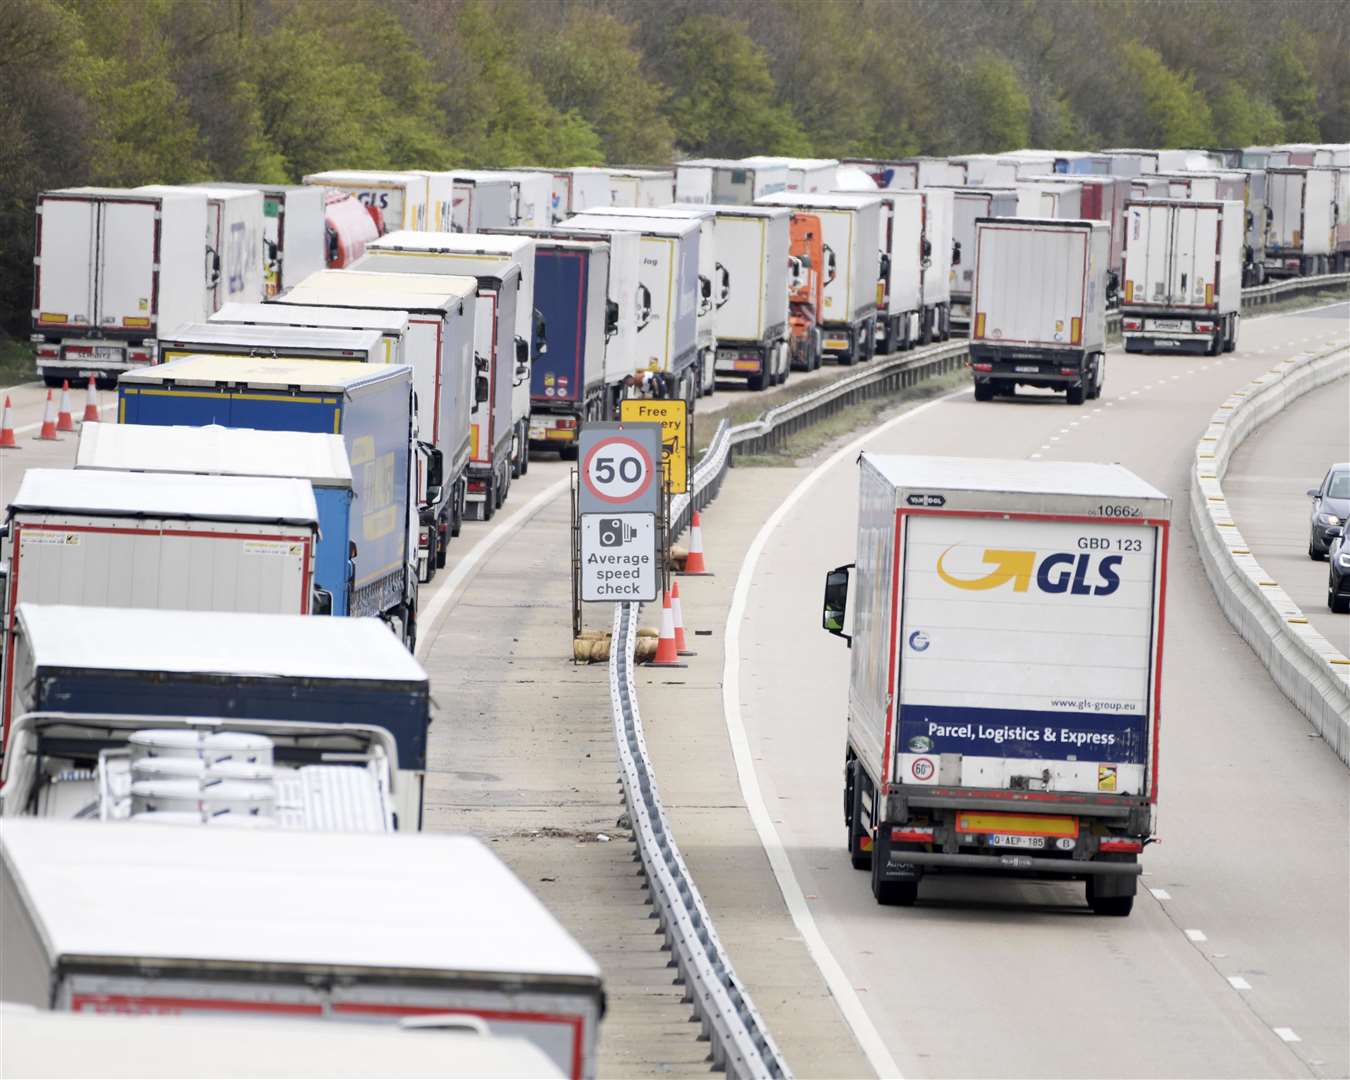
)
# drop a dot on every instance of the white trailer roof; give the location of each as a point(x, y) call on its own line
point(791, 162)
point(216, 643)
point(362, 176)
point(506, 246)
point(265, 337)
point(601, 218)
point(320, 459)
point(1008, 475)
point(44, 1043)
point(148, 193)
point(210, 498)
point(409, 292)
point(649, 174)
point(386, 321)
point(730, 210)
point(829, 200)
point(401, 902)
point(332, 376)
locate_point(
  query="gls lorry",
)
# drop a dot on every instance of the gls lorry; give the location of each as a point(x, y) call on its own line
point(360, 930)
point(1006, 656)
point(259, 672)
point(1039, 307)
point(392, 326)
point(441, 313)
point(369, 405)
point(397, 199)
point(112, 269)
point(852, 225)
point(294, 242)
point(1183, 275)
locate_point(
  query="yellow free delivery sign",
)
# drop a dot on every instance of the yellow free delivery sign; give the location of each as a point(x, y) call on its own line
point(674, 421)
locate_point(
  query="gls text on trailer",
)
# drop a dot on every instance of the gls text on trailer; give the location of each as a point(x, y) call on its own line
point(1006, 654)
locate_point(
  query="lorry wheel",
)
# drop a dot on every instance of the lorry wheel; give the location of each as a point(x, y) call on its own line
point(488, 506)
point(443, 547)
point(1119, 906)
point(944, 317)
point(984, 391)
point(755, 382)
point(1075, 395)
point(569, 453)
point(817, 350)
point(525, 449)
point(1230, 342)
point(891, 893)
point(1338, 605)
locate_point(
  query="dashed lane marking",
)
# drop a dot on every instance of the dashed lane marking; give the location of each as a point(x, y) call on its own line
point(1237, 982)
point(1287, 1034)
point(1196, 935)
point(1161, 894)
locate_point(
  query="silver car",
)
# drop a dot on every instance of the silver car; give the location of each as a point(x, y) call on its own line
point(1330, 508)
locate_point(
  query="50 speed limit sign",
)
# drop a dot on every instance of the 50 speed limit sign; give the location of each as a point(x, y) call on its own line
point(620, 468)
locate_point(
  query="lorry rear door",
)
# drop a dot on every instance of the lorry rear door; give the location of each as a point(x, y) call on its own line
point(1148, 250)
point(1195, 239)
point(127, 254)
point(66, 260)
point(561, 295)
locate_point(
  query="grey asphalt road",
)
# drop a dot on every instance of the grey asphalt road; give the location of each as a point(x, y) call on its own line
point(1234, 962)
point(1265, 485)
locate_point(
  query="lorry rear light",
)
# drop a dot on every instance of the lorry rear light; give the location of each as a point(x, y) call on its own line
point(568, 422)
point(1131, 324)
point(1075, 331)
point(49, 352)
point(1204, 328)
point(79, 350)
point(1120, 844)
point(979, 325)
point(983, 367)
point(139, 356)
point(1068, 371)
point(912, 834)
point(477, 487)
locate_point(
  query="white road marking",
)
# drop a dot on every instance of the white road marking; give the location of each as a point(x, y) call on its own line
point(1161, 894)
point(428, 615)
point(1287, 1034)
point(869, 1038)
point(1237, 982)
point(1196, 935)
point(1034, 456)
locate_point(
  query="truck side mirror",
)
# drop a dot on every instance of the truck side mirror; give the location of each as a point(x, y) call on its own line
point(835, 607)
point(885, 266)
point(435, 466)
point(611, 319)
point(522, 351)
point(644, 304)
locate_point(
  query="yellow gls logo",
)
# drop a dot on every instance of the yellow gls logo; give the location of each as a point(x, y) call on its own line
point(1014, 566)
point(1059, 572)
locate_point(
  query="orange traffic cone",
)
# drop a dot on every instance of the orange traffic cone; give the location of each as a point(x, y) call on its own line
point(91, 402)
point(64, 421)
point(7, 440)
point(694, 566)
point(677, 614)
point(667, 655)
point(48, 432)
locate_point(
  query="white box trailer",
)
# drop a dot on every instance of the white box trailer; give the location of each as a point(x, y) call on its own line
point(805, 175)
point(480, 256)
point(887, 175)
point(269, 673)
point(112, 269)
point(940, 172)
point(1003, 710)
point(968, 205)
point(399, 198)
point(726, 181)
point(1040, 306)
point(751, 293)
point(851, 224)
point(294, 244)
point(39, 1042)
point(299, 343)
point(1303, 220)
point(578, 190)
point(1183, 275)
point(666, 339)
point(356, 929)
point(900, 310)
point(234, 244)
point(1042, 197)
point(1148, 186)
point(939, 213)
point(641, 187)
point(441, 313)
point(392, 326)
point(532, 198)
point(482, 199)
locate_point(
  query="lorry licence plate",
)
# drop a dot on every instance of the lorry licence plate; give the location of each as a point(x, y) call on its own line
point(835, 343)
point(1027, 369)
point(1008, 840)
point(1175, 326)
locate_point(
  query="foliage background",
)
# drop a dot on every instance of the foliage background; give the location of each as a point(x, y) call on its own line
point(125, 92)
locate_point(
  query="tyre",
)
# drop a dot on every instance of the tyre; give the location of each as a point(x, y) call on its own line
point(755, 382)
point(892, 893)
point(1117, 906)
point(944, 317)
point(442, 545)
point(870, 338)
point(984, 391)
point(1339, 605)
point(54, 381)
point(1133, 346)
point(925, 326)
point(1313, 553)
point(457, 510)
point(525, 449)
point(569, 453)
point(1098, 378)
point(488, 506)
point(860, 859)
point(817, 350)
point(1075, 395)
point(1230, 342)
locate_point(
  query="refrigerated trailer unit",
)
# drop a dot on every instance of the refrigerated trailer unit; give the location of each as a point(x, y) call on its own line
point(480, 199)
point(212, 666)
point(294, 243)
point(807, 176)
point(852, 225)
point(441, 313)
point(214, 450)
point(1183, 275)
point(531, 198)
point(941, 172)
point(938, 273)
point(234, 244)
point(887, 175)
point(398, 199)
point(1003, 710)
point(969, 204)
point(641, 187)
point(666, 339)
point(1103, 198)
point(296, 343)
point(369, 406)
point(573, 191)
point(392, 326)
point(728, 182)
point(1043, 198)
point(112, 270)
point(1304, 217)
point(1039, 307)
point(900, 310)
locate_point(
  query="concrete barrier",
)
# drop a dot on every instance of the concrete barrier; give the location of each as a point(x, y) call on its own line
point(1311, 672)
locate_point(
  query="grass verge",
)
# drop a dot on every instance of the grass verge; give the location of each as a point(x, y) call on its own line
point(16, 362)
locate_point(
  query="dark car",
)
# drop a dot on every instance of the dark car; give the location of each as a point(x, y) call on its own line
point(1338, 577)
point(1330, 507)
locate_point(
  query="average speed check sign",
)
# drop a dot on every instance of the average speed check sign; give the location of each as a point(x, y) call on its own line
point(620, 468)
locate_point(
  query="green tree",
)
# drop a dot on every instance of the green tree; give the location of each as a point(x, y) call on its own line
point(723, 102)
point(1242, 118)
point(1170, 111)
point(1292, 87)
point(998, 109)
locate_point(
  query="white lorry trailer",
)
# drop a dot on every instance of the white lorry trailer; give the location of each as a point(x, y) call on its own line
point(939, 212)
point(1006, 655)
point(968, 205)
point(480, 199)
point(900, 309)
point(398, 200)
point(1304, 216)
point(580, 189)
point(441, 312)
point(1183, 275)
point(641, 187)
point(887, 175)
point(209, 668)
point(297, 343)
point(294, 244)
point(1040, 306)
point(360, 929)
point(531, 198)
point(666, 353)
point(807, 176)
point(392, 326)
point(1041, 197)
point(702, 181)
point(112, 269)
point(851, 224)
